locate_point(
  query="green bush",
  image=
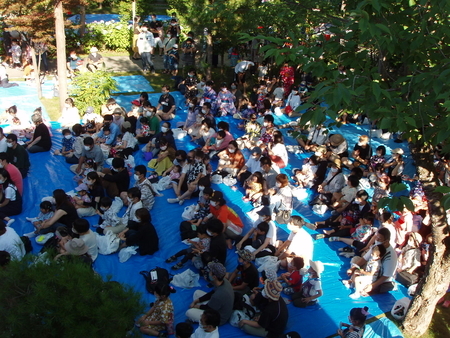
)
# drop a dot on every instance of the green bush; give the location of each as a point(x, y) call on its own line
point(92, 89)
point(109, 35)
point(63, 299)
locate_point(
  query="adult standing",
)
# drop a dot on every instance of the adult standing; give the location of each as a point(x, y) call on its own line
point(41, 140)
point(95, 192)
point(156, 27)
point(65, 214)
point(117, 180)
point(14, 173)
point(166, 105)
point(287, 78)
point(220, 299)
point(168, 43)
point(90, 151)
point(136, 32)
point(145, 44)
point(189, 50)
point(17, 155)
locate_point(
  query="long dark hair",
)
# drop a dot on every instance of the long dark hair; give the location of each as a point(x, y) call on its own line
point(8, 182)
point(60, 198)
point(94, 176)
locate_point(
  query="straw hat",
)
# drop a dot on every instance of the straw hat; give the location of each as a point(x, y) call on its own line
point(76, 247)
point(336, 139)
point(317, 266)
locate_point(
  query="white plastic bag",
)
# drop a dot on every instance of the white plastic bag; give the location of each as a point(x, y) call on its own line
point(117, 204)
point(237, 316)
point(107, 244)
point(179, 133)
point(187, 279)
point(319, 209)
point(229, 180)
point(188, 212)
point(216, 179)
point(267, 263)
point(126, 253)
point(400, 308)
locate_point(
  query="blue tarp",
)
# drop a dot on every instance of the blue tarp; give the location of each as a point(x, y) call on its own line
point(334, 305)
point(132, 83)
point(90, 18)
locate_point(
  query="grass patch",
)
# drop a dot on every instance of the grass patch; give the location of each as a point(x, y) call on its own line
point(52, 107)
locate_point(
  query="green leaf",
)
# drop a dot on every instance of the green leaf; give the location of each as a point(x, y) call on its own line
point(376, 90)
point(446, 202)
point(393, 204)
point(412, 3)
point(407, 203)
point(383, 27)
point(386, 123)
point(410, 121)
point(442, 189)
point(383, 202)
point(397, 187)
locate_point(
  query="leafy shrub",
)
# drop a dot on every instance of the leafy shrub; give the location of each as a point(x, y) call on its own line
point(92, 89)
point(63, 299)
point(116, 36)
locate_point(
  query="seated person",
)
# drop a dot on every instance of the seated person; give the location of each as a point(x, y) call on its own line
point(231, 159)
point(337, 146)
point(359, 232)
point(245, 277)
point(312, 288)
point(342, 199)
point(299, 243)
point(74, 64)
point(362, 153)
point(316, 137)
point(94, 60)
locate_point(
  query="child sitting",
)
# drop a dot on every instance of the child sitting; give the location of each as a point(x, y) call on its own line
point(341, 200)
point(166, 181)
point(158, 321)
point(67, 144)
point(197, 247)
point(365, 277)
point(292, 280)
point(254, 189)
point(409, 259)
point(118, 146)
point(82, 194)
point(304, 178)
point(134, 203)
point(89, 166)
point(360, 232)
point(45, 214)
point(245, 277)
point(312, 288)
point(108, 219)
point(202, 208)
point(356, 328)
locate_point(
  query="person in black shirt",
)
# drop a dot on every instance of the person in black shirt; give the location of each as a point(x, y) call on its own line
point(166, 105)
point(274, 317)
point(218, 246)
point(41, 140)
point(117, 180)
point(65, 214)
point(246, 276)
point(142, 235)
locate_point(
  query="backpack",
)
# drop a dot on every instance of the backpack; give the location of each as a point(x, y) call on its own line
point(27, 244)
point(241, 310)
point(155, 276)
point(187, 230)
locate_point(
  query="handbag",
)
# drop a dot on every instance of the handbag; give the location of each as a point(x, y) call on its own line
point(187, 279)
point(407, 279)
point(288, 109)
point(283, 216)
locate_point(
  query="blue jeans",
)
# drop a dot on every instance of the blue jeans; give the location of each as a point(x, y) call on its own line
point(147, 63)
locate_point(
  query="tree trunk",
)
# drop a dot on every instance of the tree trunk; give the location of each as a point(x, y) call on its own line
point(82, 20)
point(436, 279)
point(37, 70)
point(209, 55)
point(61, 52)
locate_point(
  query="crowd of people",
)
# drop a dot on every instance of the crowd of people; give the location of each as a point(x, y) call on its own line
point(348, 181)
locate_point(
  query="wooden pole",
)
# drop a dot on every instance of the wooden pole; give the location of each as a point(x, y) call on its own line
point(61, 52)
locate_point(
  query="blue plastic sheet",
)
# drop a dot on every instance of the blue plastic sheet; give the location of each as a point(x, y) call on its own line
point(132, 83)
point(23, 96)
point(334, 306)
point(90, 18)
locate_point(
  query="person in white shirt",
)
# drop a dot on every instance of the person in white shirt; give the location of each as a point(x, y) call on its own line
point(299, 243)
point(209, 325)
point(81, 227)
point(145, 44)
point(134, 203)
point(316, 137)
point(11, 242)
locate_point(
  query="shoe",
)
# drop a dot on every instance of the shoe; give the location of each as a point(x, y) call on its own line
point(173, 200)
point(30, 234)
point(11, 221)
point(347, 254)
point(347, 283)
point(355, 295)
point(171, 259)
point(346, 249)
point(320, 236)
point(181, 202)
point(333, 239)
point(177, 266)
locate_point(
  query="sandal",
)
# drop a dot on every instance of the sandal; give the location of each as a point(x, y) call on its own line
point(171, 259)
point(177, 266)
